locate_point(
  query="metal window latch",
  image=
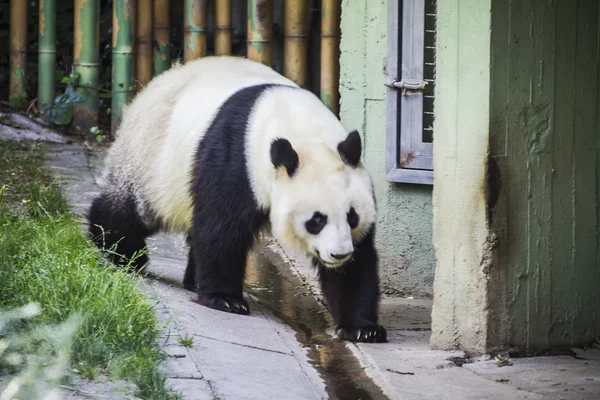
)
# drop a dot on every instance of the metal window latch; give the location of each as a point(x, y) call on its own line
point(404, 85)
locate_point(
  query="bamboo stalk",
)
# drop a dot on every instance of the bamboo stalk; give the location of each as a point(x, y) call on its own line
point(260, 31)
point(143, 43)
point(223, 28)
point(122, 57)
point(86, 61)
point(330, 46)
point(47, 51)
point(194, 45)
point(295, 45)
point(162, 54)
point(18, 51)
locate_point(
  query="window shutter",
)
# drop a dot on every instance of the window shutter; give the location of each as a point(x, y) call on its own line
point(410, 96)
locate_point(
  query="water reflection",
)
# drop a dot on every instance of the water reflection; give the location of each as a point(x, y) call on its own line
point(284, 294)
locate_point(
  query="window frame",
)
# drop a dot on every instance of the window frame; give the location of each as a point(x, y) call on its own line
point(404, 97)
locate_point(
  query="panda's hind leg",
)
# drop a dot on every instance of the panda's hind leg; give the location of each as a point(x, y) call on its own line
point(189, 279)
point(116, 227)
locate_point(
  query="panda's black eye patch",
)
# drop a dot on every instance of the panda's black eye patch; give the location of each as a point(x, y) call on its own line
point(316, 223)
point(352, 218)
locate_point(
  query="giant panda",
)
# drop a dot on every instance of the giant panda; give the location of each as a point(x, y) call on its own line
point(220, 149)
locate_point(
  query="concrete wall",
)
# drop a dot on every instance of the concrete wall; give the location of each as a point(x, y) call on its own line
point(404, 235)
point(517, 175)
point(545, 131)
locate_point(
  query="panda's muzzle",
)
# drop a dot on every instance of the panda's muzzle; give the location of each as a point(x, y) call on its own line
point(338, 259)
point(341, 257)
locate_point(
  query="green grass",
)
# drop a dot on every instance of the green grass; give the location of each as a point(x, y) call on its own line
point(45, 258)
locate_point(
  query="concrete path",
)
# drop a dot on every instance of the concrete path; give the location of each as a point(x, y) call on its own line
point(406, 368)
point(258, 356)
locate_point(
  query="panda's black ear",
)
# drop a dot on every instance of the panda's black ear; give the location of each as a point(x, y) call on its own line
point(351, 149)
point(284, 155)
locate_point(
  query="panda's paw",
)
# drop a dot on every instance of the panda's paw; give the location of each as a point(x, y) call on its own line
point(235, 305)
point(365, 334)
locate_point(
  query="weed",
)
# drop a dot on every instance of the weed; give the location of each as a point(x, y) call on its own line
point(98, 133)
point(187, 341)
point(18, 101)
point(60, 111)
point(37, 358)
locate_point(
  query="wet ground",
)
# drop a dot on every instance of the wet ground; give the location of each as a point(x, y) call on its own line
point(289, 298)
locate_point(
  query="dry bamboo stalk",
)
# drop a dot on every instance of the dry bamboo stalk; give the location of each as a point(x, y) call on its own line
point(330, 50)
point(223, 28)
point(18, 49)
point(295, 45)
point(143, 43)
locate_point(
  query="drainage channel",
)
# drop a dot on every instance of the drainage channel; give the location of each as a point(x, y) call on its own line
point(283, 293)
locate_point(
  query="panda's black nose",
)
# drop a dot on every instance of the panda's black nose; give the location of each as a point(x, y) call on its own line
point(340, 256)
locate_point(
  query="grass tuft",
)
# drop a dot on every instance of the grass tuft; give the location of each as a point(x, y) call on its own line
point(187, 341)
point(45, 259)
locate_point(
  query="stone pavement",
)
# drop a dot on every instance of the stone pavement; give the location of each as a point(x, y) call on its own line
point(17, 127)
point(258, 356)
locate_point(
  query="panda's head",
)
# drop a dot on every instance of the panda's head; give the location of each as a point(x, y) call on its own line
point(322, 198)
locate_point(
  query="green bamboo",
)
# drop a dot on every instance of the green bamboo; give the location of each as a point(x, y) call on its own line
point(162, 56)
point(86, 61)
point(260, 31)
point(194, 29)
point(18, 52)
point(122, 57)
point(47, 52)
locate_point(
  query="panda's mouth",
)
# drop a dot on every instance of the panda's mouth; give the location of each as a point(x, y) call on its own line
point(332, 264)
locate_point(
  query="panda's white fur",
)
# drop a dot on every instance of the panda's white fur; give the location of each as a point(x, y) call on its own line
point(169, 117)
point(323, 181)
point(231, 127)
point(164, 124)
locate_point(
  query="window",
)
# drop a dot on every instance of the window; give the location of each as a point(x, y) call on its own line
point(410, 90)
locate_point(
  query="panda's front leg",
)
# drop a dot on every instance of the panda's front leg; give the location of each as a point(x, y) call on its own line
point(222, 234)
point(352, 294)
point(219, 268)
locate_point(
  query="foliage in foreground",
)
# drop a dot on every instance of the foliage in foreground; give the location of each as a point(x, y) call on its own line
point(45, 260)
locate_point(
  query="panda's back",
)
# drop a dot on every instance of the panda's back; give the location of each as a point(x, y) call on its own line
point(161, 130)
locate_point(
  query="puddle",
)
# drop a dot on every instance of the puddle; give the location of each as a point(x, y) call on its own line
point(282, 292)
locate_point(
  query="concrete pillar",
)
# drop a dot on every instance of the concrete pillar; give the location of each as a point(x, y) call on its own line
point(463, 242)
point(516, 176)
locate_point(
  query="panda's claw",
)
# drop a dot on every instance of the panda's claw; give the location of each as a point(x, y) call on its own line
point(225, 303)
point(367, 334)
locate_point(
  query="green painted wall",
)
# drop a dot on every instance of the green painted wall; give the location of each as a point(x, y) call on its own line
point(404, 235)
point(545, 136)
